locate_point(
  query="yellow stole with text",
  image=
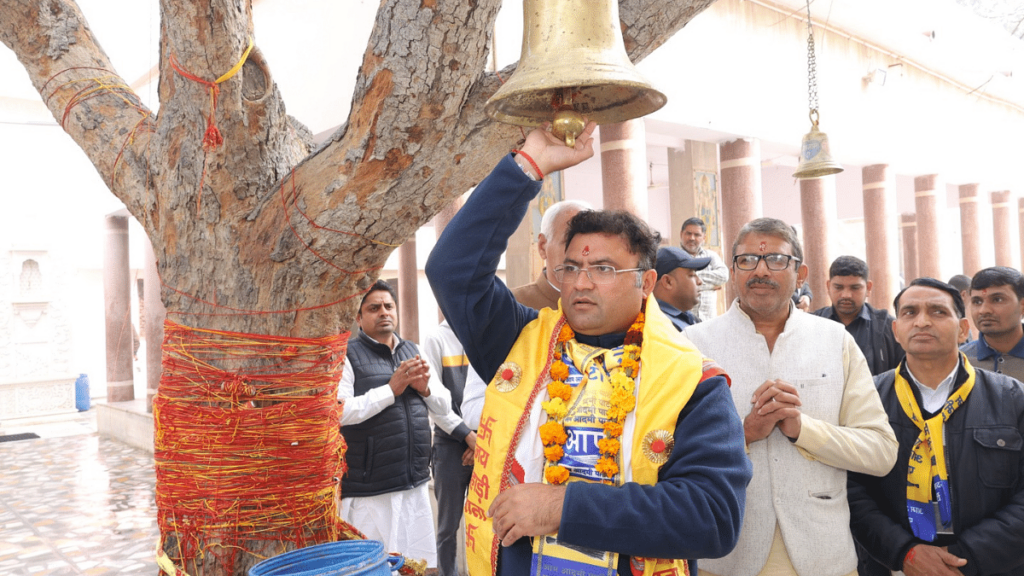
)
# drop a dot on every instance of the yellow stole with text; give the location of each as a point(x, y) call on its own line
point(669, 373)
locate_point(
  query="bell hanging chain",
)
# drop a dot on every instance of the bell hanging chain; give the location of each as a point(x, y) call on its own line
point(812, 70)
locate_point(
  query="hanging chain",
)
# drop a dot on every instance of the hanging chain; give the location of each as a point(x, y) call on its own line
point(812, 69)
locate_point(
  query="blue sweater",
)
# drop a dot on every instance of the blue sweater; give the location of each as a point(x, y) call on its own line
point(696, 508)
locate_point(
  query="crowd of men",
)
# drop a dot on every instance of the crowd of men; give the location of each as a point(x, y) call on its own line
point(605, 419)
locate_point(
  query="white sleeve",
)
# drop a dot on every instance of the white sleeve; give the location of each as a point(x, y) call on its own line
point(439, 403)
point(365, 406)
point(716, 273)
point(473, 399)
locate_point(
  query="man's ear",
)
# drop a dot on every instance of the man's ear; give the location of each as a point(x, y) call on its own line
point(867, 288)
point(649, 279)
point(542, 247)
point(801, 274)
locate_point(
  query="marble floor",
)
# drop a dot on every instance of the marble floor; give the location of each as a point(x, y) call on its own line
point(72, 502)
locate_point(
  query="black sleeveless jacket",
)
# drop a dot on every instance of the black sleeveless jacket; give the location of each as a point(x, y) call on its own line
point(389, 452)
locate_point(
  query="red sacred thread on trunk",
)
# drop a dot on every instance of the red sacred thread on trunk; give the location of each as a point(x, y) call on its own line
point(247, 454)
point(212, 138)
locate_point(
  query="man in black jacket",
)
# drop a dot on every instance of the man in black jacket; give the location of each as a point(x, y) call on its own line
point(388, 391)
point(954, 502)
point(849, 288)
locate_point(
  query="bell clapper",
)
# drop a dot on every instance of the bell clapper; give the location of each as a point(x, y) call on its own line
point(568, 123)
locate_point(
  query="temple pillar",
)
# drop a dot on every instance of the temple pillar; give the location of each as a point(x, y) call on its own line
point(117, 309)
point(740, 165)
point(624, 167)
point(817, 209)
point(1001, 227)
point(879, 240)
point(908, 225)
point(408, 291)
point(927, 196)
point(970, 243)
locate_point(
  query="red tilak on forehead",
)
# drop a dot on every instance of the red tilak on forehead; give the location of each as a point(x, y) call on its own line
point(586, 250)
point(764, 246)
point(984, 292)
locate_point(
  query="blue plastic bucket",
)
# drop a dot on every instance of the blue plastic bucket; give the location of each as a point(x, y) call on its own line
point(347, 558)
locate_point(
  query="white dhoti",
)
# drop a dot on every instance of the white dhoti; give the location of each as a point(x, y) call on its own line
point(403, 521)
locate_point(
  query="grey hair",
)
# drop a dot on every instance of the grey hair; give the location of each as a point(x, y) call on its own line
point(770, 227)
point(547, 222)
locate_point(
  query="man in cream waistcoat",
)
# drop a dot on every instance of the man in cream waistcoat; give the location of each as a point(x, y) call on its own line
point(810, 413)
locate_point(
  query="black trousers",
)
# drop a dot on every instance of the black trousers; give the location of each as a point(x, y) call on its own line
point(451, 480)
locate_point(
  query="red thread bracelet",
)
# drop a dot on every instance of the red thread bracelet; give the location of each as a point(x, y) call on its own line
point(540, 175)
point(910, 556)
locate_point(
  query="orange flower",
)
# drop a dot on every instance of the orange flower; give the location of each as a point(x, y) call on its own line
point(554, 453)
point(553, 433)
point(559, 370)
point(623, 400)
point(616, 413)
point(607, 466)
point(556, 475)
point(630, 366)
point(560, 390)
point(613, 428)
point(608, 446)
point(566, 333)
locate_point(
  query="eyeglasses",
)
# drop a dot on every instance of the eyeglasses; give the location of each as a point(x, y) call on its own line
point(598, 274)
point(774, 262)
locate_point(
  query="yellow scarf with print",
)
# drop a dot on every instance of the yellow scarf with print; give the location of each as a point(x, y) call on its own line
point(671, 372)
point(927, 476)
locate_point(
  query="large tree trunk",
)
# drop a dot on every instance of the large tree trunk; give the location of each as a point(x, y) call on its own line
point(232, 226)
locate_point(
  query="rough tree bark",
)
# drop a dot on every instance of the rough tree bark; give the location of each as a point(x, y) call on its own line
point(416, 138)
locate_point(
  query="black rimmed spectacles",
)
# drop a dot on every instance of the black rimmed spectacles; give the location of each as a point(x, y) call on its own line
point(774, 262)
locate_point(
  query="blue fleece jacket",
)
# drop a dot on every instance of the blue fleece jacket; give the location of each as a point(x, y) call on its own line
point(695, 510)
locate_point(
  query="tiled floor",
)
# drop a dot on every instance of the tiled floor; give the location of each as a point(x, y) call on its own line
point(72, 502)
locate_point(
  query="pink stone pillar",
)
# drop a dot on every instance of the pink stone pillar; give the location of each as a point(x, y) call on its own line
point(408, 291)
point(117, 309)
point(814, 203)
point(155, 314)
point(908, 225)
point(928, 192)
point(624, 167)
point(970, 243)
point(1001, 227)
point(441, 220)
point(1020, 228)
point(740, 164)
point(879, 225)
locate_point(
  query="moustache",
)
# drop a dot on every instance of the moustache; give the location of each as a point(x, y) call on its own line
point(846, 302)
point(766, 281)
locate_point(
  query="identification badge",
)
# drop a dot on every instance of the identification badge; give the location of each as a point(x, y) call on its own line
point(553, 558)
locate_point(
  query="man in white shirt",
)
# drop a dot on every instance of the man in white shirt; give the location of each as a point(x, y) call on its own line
point(713, 277)
point(389, 396)
point(810, 413)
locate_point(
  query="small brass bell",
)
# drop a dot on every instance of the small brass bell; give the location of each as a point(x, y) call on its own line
point(815, 154)
point(573, 64)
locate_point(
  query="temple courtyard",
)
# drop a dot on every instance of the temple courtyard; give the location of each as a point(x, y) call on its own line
point(73, 502)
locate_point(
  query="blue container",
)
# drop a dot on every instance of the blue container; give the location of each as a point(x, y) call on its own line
point(82, 393)
point(347, 558)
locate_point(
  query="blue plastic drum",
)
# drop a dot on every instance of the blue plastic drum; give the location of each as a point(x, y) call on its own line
point(347, 558)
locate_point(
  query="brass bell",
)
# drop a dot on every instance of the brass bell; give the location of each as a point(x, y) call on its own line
point(573, 64)
point(815, 154)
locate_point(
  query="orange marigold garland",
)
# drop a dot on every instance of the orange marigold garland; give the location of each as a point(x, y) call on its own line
point(553, 434)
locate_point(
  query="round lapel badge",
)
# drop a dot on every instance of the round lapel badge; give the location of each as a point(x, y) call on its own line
point(657, 446)
point(508, 377)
